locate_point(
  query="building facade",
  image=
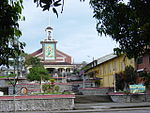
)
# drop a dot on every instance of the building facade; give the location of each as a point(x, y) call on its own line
point(143, 63)
point(105, 68)
point(56, 62)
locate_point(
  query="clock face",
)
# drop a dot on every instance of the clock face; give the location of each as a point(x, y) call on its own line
point(49, 51)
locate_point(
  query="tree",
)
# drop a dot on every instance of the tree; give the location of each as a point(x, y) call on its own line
point(32, 61)
point(125, 78)
point(130, 75)
point(146, 78)
point(128, 24)
point(120, 84)
point(38, 74)
point(47, 4)
point(10, 14)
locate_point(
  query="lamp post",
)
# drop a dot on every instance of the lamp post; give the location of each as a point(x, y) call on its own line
point(16, 62)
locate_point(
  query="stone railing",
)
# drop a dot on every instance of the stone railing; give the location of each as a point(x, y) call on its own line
point(36, 103)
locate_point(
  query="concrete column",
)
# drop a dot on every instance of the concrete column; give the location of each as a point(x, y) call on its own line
point(56, 72)
point(63, 75)
point(71, 70)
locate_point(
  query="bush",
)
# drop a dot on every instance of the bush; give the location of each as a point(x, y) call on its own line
point(57, 88)
point(50, 88)
point(46, 88)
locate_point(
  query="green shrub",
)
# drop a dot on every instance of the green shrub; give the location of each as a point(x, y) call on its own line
point(46, 88)
point(56, 88)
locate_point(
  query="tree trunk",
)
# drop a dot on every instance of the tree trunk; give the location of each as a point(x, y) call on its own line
point(41, 86)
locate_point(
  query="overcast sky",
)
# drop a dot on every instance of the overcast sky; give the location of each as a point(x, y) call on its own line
point(74, 30)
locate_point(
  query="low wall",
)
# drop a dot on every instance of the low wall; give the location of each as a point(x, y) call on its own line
point(35, 88)
point(86, 84)
point(125, 98)
point(92, 98)
point(96, 91)
point(36, 103)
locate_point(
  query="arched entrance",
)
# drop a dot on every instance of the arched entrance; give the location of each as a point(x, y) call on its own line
point(51, 70)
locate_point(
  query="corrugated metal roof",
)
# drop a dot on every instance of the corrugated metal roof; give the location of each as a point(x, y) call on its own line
point(106, 58)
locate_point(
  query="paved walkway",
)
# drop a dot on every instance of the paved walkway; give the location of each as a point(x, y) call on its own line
point(111, 105)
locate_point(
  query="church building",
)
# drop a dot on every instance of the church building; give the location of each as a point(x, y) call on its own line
point(54, 60)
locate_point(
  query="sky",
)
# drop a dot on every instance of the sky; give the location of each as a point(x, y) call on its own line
point(74, 29)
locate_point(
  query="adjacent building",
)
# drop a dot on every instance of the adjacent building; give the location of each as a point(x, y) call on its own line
point(104, 69)
point(143, 63)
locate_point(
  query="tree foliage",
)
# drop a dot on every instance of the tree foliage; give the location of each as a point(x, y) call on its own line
point(38, 74)
point(47, 4)
point(126, 78)
point(128, 24)
point(130, 75)
point(32, 61)
point(146, 78)
point(10, 14)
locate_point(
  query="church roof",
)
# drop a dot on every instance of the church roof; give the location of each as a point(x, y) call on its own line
point(61, 57)
point(36, 52)
point(56, 63)
point(106, 58)
point(39, 51)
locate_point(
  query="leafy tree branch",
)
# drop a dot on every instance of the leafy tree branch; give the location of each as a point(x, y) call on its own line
point(128, 24)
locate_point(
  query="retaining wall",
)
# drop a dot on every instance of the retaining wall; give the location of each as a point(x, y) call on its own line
point(125, 98)
point(92, 98)
point(96, 91)
point(36, 103)
point(35, 88)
